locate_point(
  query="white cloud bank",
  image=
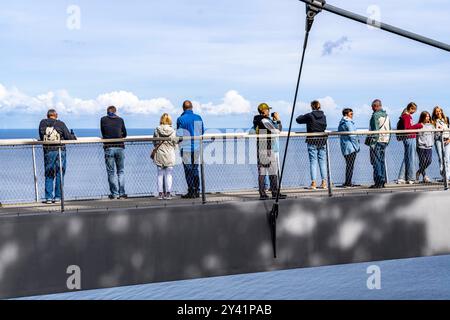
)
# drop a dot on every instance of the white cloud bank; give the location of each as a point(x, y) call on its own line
point(13, 100)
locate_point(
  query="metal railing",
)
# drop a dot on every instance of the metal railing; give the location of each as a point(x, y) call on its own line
point(228, 163)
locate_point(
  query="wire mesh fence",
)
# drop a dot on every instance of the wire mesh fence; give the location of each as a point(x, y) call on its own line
point(230, 164)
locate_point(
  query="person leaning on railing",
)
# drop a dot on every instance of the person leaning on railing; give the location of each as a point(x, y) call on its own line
point(316, 122)
point(378, 142)
point(113, 127)
point(407, 171)
point(163, 155)
point(189, 126)
point(53, 131)
point(441, 122)
point(349, 145)
point(425, 142)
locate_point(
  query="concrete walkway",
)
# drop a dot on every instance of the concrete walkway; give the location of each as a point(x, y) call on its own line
point(216, 198)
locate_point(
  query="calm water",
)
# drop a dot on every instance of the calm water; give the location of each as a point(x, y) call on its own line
point(420, 278)
point(231, 167)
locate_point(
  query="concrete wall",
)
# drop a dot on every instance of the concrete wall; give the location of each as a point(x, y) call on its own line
point(142, 246)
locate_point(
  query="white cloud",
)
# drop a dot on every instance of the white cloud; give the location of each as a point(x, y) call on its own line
point(13, 100)
point(233, 103)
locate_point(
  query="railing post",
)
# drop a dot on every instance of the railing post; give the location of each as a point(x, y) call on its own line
point(386, 169)
point(330, 187)
point(61, 175)
point(36, 189)
point(444, 162)
point(202, 169)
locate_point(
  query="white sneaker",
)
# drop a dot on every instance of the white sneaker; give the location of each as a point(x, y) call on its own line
point(161, 196)
point(168, 197)
point(410, 182)
point(401, 181)
point(426, 179)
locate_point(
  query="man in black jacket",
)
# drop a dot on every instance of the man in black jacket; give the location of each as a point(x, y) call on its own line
point(53, 130)
point(113, 127)
point(316, 121)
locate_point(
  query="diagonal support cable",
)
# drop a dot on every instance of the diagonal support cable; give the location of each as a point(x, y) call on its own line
point(311, 12)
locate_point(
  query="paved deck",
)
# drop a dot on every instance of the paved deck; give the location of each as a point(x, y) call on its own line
point(216, 198)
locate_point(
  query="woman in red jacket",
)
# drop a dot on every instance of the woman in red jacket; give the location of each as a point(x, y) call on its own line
point(409, 142)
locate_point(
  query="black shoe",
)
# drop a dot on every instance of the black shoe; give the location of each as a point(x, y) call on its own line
point(188, 196)
point(124, 196)
point(111, 197)
point(197, 195)
point(349, 185)
point(377, 186)
point(282, 196)
point(264, 197)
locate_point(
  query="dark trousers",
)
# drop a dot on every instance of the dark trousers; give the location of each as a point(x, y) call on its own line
point(377, 159)
point(425, 159)
point(350, 165)
point(191, 171)
point(263, 172)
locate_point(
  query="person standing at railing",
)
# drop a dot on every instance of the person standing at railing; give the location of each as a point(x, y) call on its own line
point(425, 142)
point(54, 130)
point(316, 122)
point(408, 167)
point(276, 121)
point(441, 122)
point(267, 151)
point(113, 127)
point(349, 145)
point(164, 156)
point(378, 142)
point(189, 126)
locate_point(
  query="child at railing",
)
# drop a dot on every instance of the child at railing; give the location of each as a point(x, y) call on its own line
point(425, 142)
point(163, 155)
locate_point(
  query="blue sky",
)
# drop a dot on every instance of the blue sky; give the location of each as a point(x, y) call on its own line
point(146, 57)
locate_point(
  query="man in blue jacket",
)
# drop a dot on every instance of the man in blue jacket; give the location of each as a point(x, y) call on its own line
point(190, 125)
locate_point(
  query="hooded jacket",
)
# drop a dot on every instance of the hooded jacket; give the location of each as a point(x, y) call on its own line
point(315, 121)
point(165, 156)
point(349, 143)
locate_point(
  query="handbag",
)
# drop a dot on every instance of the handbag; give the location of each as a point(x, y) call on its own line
point(155, 150)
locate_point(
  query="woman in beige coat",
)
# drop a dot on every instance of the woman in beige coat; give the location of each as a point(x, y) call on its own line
point(164, 157)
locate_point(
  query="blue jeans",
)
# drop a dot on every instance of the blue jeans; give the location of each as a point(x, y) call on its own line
point(52, 173)
point(115, 159)
point(409, 160)
point(377, 159)
point(317, 154)
point(191, 172)
point(445, 157)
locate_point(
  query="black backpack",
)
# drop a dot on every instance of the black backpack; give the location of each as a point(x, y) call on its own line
point(401, 126)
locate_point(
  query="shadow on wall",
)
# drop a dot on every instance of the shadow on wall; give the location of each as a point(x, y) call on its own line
point(153, 245)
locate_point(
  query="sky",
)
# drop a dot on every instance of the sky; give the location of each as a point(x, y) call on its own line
point(147, 57)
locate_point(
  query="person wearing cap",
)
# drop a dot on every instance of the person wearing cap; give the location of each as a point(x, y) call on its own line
point(316, 122)
point(266, 151)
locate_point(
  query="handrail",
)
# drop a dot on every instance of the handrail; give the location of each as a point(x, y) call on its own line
point(35, 142)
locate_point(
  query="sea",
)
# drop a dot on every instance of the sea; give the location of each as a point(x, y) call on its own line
point(406, 279)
